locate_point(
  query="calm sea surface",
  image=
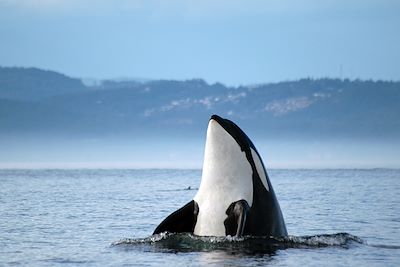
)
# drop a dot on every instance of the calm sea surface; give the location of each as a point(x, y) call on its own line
point(106, 217)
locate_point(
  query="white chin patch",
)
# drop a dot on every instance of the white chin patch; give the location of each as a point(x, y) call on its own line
point(260, 168)
point(226, 178)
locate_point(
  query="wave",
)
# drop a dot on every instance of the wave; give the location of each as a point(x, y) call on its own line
point(183, 242)
point(384, 246)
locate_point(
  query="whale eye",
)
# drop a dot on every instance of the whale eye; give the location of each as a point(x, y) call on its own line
point(260, 168)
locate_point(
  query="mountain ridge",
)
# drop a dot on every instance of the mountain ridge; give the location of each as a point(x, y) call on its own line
point(34, 100)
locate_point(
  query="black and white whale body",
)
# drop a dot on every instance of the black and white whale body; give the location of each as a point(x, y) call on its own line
point(235, 196)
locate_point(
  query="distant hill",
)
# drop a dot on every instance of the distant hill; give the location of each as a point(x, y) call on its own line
point(31, 84)
point(38, 101)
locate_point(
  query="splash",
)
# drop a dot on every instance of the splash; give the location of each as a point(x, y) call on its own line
point(168, 242)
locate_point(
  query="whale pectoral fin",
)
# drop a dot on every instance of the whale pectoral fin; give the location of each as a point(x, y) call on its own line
point(180, 221)
point(236, 221)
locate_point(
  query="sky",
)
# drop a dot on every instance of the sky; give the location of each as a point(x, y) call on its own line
point(230, 41)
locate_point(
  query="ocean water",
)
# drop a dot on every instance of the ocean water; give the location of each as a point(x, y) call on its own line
point(106, 217)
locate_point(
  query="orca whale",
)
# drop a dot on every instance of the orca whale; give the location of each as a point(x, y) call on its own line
point(235, 196)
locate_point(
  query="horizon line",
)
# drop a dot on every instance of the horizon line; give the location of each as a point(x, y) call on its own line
point(144, 80)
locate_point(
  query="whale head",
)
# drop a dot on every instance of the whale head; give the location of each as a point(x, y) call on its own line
point(230, 159)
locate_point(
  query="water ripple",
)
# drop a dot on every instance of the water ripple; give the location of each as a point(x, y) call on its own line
point(168, 242)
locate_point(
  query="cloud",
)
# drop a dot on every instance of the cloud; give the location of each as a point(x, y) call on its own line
point(39, 4)
point(204, 11)
point(70, 7)
point(196, 9)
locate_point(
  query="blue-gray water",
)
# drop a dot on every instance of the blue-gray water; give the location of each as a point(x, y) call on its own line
point(105, 218)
